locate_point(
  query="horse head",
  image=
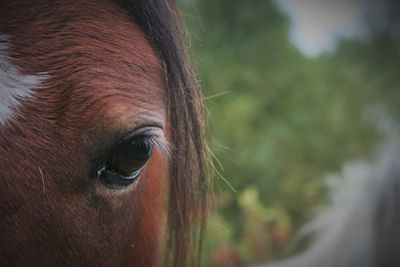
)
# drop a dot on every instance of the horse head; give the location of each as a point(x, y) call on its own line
point(101, 134)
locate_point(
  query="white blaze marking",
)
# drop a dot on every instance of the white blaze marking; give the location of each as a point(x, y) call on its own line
point(14, 86)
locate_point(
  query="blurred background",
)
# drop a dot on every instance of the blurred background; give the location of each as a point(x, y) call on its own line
point(295, 89)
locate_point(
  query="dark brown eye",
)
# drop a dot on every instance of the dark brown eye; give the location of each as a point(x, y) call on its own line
point(130, 157)
point(126, 162)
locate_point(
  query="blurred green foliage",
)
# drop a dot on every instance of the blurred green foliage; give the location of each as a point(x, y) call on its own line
point(279, 121)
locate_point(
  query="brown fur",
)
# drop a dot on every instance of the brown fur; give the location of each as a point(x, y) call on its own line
point(105, 76)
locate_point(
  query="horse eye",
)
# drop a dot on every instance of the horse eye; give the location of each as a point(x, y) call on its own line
point(126, 162)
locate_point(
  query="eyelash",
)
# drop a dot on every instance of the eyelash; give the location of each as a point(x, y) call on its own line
point(157, 142)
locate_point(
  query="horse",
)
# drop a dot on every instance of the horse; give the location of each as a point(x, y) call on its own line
point(360, 228)
point(103, 160)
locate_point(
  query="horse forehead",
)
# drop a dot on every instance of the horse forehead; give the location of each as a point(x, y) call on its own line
point(119, 69)
point(99, 49)
point(102, 43)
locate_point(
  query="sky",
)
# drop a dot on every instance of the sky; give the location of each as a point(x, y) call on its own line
point(317, 25)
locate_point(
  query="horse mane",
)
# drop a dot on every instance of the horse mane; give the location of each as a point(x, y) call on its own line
point(188, 184)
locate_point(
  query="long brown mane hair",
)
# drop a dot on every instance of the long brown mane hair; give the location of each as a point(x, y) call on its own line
point(188, 184)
